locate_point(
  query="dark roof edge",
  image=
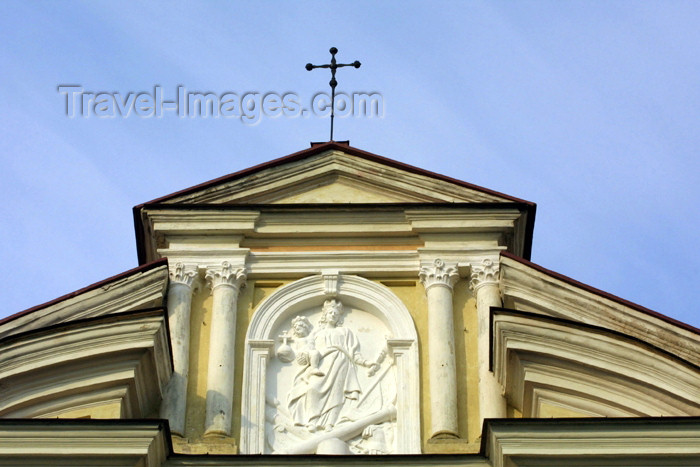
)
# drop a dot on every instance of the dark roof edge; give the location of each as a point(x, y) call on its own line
point(319, 148)
point(602, 293)
point(307, 206)
point(529, 231)
point(138, 269)
point(161, 424)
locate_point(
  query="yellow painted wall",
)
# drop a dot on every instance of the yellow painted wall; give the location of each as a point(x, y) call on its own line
point(108, 410)
point(343, 191)
point(555, 411)
point(253, 294)
point(200, 320)
point(467, 361)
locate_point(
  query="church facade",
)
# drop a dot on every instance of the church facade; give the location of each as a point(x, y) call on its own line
point(335, 302)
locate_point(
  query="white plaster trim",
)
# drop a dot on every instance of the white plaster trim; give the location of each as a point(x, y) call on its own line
point(83, 444)
point(136, 291)
point(200, 221)
point(311, 291)
point(462, 220)
point(127, 357)
point(330, 283)
point(603, 442)
point(301, 263)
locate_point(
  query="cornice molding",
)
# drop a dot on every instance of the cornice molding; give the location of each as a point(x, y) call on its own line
point(139, 289)
point(526, 288)
point(85, 442)
point(669, 442)
point(118, 357)
point(587, 363)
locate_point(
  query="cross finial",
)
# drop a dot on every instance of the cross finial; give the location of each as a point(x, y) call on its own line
point(333, 66)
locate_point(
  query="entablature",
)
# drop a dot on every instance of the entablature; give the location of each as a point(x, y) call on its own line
point(458, 227)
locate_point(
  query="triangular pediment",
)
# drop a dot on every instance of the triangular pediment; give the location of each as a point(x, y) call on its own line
point(333, 188)
point(334, 173)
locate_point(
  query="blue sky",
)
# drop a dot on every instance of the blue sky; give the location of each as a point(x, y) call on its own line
point(589, 111)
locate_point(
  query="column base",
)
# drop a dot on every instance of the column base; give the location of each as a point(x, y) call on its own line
point(444, 434)
point(211, 444)
point(451, 446)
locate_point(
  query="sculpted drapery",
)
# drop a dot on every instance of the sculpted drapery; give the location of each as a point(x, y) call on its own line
point(319, 393)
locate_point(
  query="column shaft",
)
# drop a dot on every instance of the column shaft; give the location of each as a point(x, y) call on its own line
point(438, 281)
point(174, 403)
point(492, 404)
point(443, 375)
point(222, 339)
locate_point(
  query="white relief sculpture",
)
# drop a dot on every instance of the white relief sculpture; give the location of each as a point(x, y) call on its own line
point(337, 401)
point(306, 354)
point(380, 419)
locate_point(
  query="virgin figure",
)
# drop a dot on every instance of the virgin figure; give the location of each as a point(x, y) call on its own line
point(316, 400)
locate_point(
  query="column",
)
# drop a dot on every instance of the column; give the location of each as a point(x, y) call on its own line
point(484, 283)
point(174, 403)
point(438, 280)
point(225, 282)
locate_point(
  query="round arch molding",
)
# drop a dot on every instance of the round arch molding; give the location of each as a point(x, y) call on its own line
point(312, 291)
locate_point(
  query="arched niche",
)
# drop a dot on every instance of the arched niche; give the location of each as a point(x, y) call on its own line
point(310, 293)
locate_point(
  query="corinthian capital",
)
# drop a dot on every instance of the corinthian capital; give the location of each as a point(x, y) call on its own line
point(438, 274)
point(484, 273)
point(226, 275)
point(184, 274)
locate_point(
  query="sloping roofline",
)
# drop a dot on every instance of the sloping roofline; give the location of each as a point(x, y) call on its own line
point(317, 148)
point(138, 269)
point(601, 293)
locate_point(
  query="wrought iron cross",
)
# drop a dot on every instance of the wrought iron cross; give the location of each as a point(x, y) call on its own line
point(333, 66)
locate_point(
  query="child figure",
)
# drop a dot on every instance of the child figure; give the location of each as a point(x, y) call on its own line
point(307, 355)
